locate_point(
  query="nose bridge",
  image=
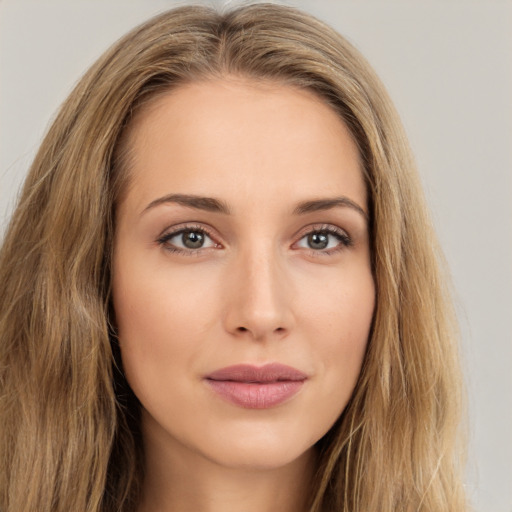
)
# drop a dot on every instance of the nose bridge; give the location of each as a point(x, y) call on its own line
point(260, 302)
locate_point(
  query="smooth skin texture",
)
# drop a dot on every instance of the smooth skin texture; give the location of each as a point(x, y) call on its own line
point(262, 275)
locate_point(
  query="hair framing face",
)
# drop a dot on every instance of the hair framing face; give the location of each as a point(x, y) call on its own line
point(67, 424)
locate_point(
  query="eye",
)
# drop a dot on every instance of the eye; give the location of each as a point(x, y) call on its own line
point(187, 240)
point(326, 239)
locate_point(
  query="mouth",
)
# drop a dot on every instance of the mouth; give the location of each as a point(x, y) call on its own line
point(253, 387)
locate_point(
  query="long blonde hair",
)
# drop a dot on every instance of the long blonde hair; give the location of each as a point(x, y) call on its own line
point(68, 437)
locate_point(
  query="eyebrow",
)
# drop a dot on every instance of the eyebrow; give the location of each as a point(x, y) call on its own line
point(211, 204)
point(317, 205)
point(208, 204)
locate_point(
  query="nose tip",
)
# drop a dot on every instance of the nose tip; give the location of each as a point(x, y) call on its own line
point(259, 305)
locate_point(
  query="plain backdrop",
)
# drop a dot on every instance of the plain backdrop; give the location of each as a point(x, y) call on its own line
point(446, 64)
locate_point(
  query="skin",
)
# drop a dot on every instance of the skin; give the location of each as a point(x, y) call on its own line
point(256, 292)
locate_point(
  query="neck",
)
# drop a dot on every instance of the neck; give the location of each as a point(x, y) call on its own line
point(179, 480)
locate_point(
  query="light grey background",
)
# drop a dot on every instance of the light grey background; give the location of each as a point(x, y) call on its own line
point(447, 65)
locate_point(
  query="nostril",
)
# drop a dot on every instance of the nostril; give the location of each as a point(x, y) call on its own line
point(258, 334)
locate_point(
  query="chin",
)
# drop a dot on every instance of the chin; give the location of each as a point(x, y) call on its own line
point(260, 448)
point(260, 458)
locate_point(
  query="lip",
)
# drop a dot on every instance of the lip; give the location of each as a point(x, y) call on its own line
point(256, 387)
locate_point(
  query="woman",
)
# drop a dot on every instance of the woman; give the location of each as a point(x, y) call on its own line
point(221, 287)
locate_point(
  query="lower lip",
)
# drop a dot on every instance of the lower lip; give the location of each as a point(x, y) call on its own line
point(256, 395)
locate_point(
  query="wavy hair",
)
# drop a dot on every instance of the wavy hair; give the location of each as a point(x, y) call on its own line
point(69, 437)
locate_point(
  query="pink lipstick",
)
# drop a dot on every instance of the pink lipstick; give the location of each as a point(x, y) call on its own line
point(256, 387)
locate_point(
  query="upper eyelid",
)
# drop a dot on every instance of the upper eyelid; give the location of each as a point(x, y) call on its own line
point(321, 227)
point(176, 230)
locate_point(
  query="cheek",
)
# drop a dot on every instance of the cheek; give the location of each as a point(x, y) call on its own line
point(343, 304)
point(159, 320)
point(341, 315)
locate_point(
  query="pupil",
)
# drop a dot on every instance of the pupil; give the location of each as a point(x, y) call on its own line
point(318, 240)
point(193, 239)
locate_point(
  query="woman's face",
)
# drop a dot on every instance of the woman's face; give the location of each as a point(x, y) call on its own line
point(242, 240)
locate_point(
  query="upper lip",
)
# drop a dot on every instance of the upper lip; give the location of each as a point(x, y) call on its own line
point(273, 372)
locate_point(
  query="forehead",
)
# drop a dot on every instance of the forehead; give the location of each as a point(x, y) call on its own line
point(238, 138)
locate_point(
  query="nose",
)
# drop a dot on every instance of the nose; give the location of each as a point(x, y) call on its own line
point(259, 297)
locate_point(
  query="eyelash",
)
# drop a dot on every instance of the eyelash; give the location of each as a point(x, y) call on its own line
point(342, 237)
point(164, 239)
